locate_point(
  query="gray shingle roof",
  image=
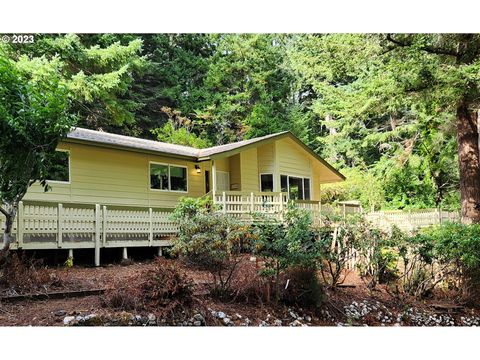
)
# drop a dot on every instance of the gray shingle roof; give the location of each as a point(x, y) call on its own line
point(109, 139)
point(232, 146)
point(157, 146)
point(131, 142)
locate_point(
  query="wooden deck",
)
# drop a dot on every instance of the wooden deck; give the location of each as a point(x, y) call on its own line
point(81, 226)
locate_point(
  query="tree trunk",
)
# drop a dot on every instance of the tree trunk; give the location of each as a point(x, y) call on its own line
point(469, 164)
point(10, 213)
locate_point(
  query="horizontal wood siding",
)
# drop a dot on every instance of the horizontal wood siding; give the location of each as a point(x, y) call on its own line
point(266, 159)
point(293, 160)
point(249, 170)
point(235, 176)
point(115, 177)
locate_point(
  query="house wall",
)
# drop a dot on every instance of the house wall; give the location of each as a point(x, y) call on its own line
point(266, 158)
point(249, 170)
point(292, 159)
point(116, 177)
point(235, 173)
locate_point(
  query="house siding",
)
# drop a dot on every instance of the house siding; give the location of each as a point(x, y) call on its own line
point(292, 160)
point(249, 170)
point(266, 158)
point(115, 177)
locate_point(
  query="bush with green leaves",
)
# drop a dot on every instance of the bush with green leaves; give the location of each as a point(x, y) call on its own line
point(285, 244)
point(455, 251)
point(210, 240)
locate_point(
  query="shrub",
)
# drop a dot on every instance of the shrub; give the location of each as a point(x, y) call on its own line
point(286, 244)
point(163, 289)
point(23, 274)
point(454, 250)
point(211, 240)
point(303, 288)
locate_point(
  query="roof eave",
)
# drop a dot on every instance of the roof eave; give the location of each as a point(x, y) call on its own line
point(128, 148)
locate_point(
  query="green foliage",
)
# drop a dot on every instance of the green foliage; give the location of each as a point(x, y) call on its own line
point(381, 113)
point(34, 116)
point(210, 240)
point(451, 242)
point(287, 244)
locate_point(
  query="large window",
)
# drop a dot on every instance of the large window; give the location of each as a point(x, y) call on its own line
point(266, 182)
point(168, 177)
point(298, 188)
point(58, 169)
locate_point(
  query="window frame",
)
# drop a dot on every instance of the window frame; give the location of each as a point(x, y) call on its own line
point(303, 184)
point(260, 181)
point(69, 170)
point(169, 180)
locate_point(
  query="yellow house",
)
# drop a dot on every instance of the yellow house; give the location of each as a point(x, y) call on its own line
point(101, 168)
point(113, 191)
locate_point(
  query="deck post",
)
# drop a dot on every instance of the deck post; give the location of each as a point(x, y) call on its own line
point(20, 224)
point(60, 225)
point(150, 226)
point(160, 251)
point(224, 202)
point(98, 220)
point(125, 254)
point(104, 228)
point(70, 253)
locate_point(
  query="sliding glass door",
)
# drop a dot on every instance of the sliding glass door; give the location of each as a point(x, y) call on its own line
point(298, 188)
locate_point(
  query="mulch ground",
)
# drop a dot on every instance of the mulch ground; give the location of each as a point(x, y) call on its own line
point(50, 312)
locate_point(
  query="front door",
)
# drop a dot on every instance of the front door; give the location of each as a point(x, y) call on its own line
point(207, 181)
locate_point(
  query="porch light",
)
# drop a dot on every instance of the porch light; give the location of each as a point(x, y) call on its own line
point(197, 168)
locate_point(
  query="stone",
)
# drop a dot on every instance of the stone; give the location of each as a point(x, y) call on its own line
point(238, 316)
point(60, 313)
point(199, 317)
point(220, 315)
point(308, 318)
point(227, 321)
point(151, 317)
point(197, 323)
point(68, 319)
point(278, 322)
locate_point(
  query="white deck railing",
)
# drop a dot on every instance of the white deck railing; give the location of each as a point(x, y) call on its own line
point(73, 226)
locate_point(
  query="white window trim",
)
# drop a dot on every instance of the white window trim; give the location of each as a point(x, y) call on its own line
point(169, 181)
point(260, 180)
point(298, 177)
point(69, 170)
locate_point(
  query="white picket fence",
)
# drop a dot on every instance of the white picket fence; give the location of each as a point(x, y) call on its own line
point(411, 220)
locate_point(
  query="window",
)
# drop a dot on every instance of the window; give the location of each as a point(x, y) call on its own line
point(306, 189)
point(58, 168)
point(159, 177)
point(266, 182)
point(178, 178)
point(298, 188)
point(168, 177)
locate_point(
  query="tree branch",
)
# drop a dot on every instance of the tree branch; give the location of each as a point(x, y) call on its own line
point(427, 48)
point(3, 211)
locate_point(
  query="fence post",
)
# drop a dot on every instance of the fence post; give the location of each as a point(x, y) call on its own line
point(20, 224)
point(98, 220)
point(224, 202)
point(104, 232)
point(60, 225)
point(440, 220)
point(150, 226)
point(252, 205)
